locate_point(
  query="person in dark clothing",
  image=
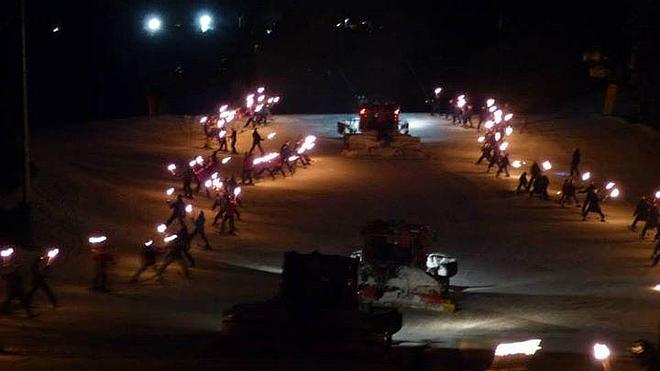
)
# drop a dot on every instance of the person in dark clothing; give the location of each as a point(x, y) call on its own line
point(248, 169)
point(188, 176)
point(483, 117)
point(178, 211)
point(640, 213)
point(503, 165)
point(575, 162)
point(219, 203)
point(540, 187)
point(175, 254)
point(534, 172)
point(655, 258)
point(149, 254)
point(568, 192)
point(14, 286)
point(184, 240)
point(485, 153)
point(467, 116)
point(592, 204)
point(38, 270)
point(233, 138)
point(199, 229)
point(494, 160)
point(651, 220)
point(222, 140)
point(231, 211)
point(523, 185)
point(256, 142)
point(102, 259)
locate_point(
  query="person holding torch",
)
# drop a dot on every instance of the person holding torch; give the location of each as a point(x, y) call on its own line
point(39, 270)
point(14, 282)
point(102, 258)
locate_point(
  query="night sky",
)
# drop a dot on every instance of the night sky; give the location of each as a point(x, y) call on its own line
point(103, 64)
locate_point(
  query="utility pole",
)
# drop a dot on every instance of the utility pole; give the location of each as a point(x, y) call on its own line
point(26, 131)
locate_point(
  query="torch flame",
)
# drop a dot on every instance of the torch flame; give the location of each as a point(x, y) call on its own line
point(208, 183)
point(528, 348)
point(546, 165)
point(492, 109)
point(7, 252)
point(259, 108)
point(169, 191)
point(601, 351)
point(149, 243)
point(203, 119)
point(189, 209)
point(516, 164)
point(276, 99)
point(489, 124)
point(223, 108)
point(97, 239)
point(481, 139)
point(609, 185)
point(52, 253)
point(271, 135)
point(490, 102)
point(261, 98)
point(214, 175)
point(586, 176)
point(199, 160)
point(508, 116)
point(615, 193)
point(293, 158)
point(260, 89)
point(171, 167)
point(192, 163)
point(504, 146)
point(508, 131)
point(498, 136)
point(226, 160)
point(170, 238)
point(657, 194)
point(161, 228)
point(237, 191)
point(437, 91)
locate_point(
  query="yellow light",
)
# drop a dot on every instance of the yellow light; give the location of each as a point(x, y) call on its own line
point(528, 348)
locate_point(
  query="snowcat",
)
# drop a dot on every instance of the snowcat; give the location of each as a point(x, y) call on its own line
point(397, 270)
point(378, 133)
point(317, 310)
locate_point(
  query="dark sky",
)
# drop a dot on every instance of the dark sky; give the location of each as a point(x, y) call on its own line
point(102, 63)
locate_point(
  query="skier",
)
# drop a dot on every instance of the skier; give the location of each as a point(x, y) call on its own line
point(655, 258)
point(534, 172)
point(175, 254)
point(540, 187)
point(651, 220)
point(522, 183)
point(233, 137)
point(575, 162)
point(14, 286)
point(199, 229)
point(188, 176)
point(102, 259)
point(591, 203)
point(178, 211)
point(248, 168)
point(256, 141)
point(485, 153)
point(503, 165)
point(568, 192)
point(641, 212)
point(222, 141)
point(149, 254)
point(219, 203)
point(230, 211)
point(495, 159)
point(39, 269)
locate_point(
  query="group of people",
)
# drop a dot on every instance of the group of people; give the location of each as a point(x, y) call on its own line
point(647, 211)
point(13, 274)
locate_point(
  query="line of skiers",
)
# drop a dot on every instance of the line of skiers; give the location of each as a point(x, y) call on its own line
point(491, 152)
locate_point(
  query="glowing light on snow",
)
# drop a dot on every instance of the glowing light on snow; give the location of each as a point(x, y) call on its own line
point(149, 243)
point(527, 348)
point(269, 157)
point(490, 102)
point(609, 185)
point(189, 209)
point(226, 160)
point(481, 139)
point(52, 253)
point(508, 131)
point(170, 238)
point(546, 165)
point(498, 136)
point(237, 191)
point(504, 146)
point(586, 176)
point(208, 183)
point(161, 228)
point(516, 164)
point(7, 252)
point(171, 168)
point(615, 193)
point(199, 160)
point(489, 124)
point(97, 239)
point(601, 351)
point(261, 89)
point(203, 120)
point(492, 109)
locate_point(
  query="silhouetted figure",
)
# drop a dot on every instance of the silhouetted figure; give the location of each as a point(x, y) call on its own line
point(248, 169)
point(256, 142)
point(651, 220)
point(523, 185)
point(503, 165)
point(568, 192)
point(39, 270)
point(102, 259)
point(149, 253)
point(233, 138)
point(175, 253)
point(575, 162)
point(230, 212)
point(14, 289)
point(188, 176)
point(178, 211)
point(199, 230)
point(640, 213)
point(592, 204)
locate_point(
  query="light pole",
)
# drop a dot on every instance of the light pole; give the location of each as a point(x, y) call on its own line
point(27, 196)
